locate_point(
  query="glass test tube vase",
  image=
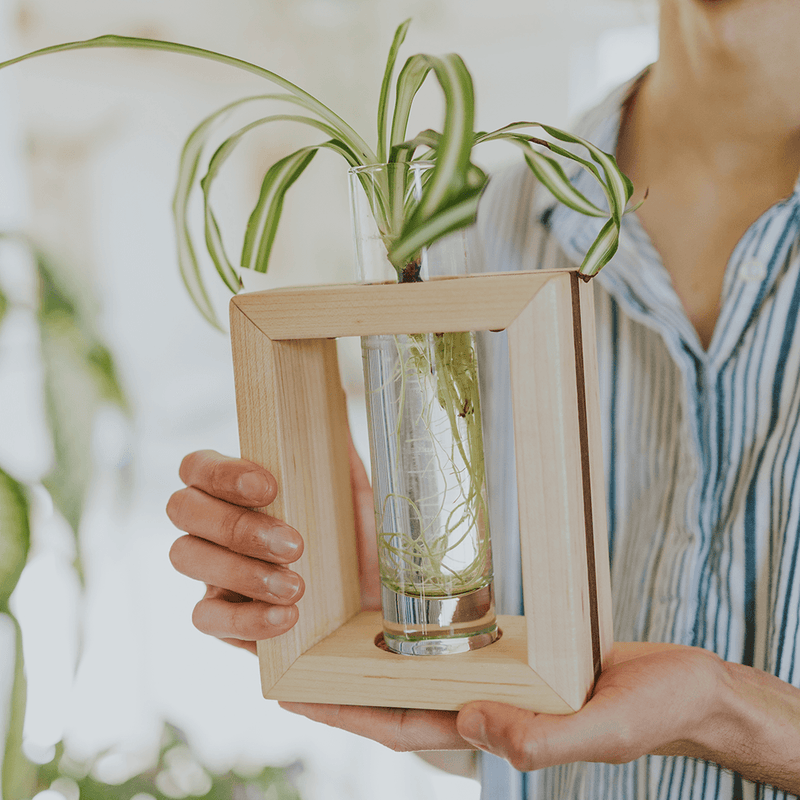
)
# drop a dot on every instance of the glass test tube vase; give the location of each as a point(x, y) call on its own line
point(426, 447)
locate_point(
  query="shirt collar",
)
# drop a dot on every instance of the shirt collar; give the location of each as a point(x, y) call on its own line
point(636, 277)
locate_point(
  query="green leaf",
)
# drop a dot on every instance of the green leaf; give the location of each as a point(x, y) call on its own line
point(453, 154)
point(264, 219)
point(79, 377)
point(409, 82)
point(15, 535)
point(552, 175)
point(383, 102)
point(19, 775)
point(457, 215)
point(615, 184)
point(190, 158)
point(130, 42)
point(601, 250)
point(213, 236)
point(618, 186)
point(263, 222)
point(3, 305)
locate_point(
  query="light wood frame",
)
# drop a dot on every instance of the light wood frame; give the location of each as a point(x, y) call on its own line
point(292, 420)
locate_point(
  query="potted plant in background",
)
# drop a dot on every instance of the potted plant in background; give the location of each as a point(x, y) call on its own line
point(417, 191)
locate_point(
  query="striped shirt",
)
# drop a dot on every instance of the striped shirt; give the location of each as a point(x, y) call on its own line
point(702, 456)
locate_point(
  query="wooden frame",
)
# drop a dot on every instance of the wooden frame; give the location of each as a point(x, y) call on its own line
point(292, 419)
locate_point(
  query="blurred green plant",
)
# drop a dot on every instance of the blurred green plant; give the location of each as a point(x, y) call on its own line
point(79, 379)
point(176, 773)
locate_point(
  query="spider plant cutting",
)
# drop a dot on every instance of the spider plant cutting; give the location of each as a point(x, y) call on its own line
point(417, 192)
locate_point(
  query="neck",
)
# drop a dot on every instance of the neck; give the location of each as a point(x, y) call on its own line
point(713, 133)
point(726, 86)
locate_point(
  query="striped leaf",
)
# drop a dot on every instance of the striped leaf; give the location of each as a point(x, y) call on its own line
point(409, 82)
point(619, 188)
point(552, 175)
point(601, 250)
point(346, 133)
point(510, 132)
point(263, 222)
point(453, 154)
point(383, 102)
point(264, 219)
point(616, 185)
point(449, 191)
point(213, 236)
point(457, 215)
point(189, 163)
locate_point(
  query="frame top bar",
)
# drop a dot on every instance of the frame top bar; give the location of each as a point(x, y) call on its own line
point(477, 303)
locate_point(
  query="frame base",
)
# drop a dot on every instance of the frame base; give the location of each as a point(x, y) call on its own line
point(348, 668)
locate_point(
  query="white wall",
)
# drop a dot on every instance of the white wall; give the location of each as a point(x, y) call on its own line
point(104, 131)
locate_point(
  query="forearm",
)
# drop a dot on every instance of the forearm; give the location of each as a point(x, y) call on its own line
point(755, 729)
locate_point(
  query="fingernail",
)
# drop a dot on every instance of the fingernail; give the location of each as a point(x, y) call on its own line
point(472, 726)
point(252, 486)
point(280, 546)
point(283, 584)
point(280, 615)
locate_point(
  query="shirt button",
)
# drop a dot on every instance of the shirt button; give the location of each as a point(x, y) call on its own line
point(753, 270)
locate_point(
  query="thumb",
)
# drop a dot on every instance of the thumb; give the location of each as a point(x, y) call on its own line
point(527, 740)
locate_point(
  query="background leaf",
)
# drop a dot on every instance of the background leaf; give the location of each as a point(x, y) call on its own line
point(79, 377)
point(15, 535)
point(19, 774)
point(15, 543)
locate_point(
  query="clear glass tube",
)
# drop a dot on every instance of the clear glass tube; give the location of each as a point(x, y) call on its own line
point(427, 457)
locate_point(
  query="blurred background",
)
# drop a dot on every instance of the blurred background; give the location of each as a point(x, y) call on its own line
point(89, 144)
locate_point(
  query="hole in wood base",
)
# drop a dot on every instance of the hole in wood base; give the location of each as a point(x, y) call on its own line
point(430, 645)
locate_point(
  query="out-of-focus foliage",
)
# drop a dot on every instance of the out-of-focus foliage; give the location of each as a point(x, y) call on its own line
point(176, 774)
point(79, 379)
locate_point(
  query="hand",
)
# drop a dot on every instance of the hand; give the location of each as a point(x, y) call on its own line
point(652, 698)
point(242, 554)
point(239, 553)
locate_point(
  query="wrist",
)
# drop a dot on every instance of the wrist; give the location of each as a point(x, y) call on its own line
point(753, 727)
point(724, 717)
point(712, 708)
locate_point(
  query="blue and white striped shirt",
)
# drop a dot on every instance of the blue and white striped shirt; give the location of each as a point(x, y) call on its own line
point(702, 456)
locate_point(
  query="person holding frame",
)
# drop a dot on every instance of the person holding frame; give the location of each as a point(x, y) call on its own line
point(700, 393)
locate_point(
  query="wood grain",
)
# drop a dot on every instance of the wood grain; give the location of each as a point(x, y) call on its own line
point(349, 668)
point(475, 303)
point(292, 420)
point(593, 448)
point(556, 592)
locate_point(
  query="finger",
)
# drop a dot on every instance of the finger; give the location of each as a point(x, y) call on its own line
point(239, 529)
point(249, 622)
point(367, 542)
point(233, 479)
point(530, 741)
point(399, 729)
point(248, 577)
